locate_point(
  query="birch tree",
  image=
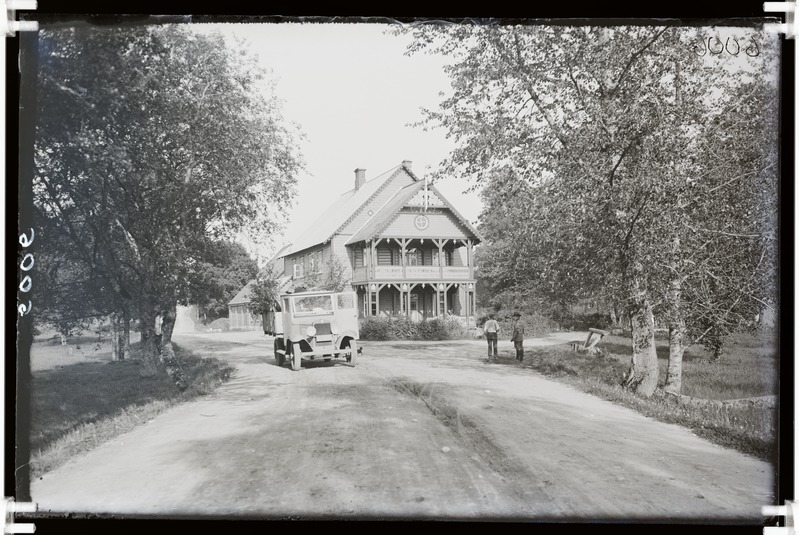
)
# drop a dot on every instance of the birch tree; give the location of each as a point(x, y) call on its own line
point(584, 143)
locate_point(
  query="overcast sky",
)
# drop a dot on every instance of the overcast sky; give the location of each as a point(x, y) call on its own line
point(353, 93)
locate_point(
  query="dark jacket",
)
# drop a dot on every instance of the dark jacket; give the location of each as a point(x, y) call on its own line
point(518, 331)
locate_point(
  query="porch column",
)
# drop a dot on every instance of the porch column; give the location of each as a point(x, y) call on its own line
point(368, 262)
point(403, 246)
point(440, 244)
point(373, 258)
point(469, 257)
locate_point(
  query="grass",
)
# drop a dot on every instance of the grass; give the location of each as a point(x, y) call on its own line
point(79, 406)
point(749, 369)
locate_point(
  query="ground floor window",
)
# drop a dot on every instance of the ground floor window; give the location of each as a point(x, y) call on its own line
point(414, 302)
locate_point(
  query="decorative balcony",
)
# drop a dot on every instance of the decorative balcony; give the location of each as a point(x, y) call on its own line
point(411, 273)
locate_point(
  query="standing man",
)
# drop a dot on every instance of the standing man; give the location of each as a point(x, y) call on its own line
point(518, 336)
point(491, 328)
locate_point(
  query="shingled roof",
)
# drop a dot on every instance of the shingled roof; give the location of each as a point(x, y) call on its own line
point(340, 211)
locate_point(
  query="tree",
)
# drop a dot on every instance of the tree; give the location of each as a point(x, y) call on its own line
point(585, 143)
point(220, 272)
point(264, 296)
point(154, 142)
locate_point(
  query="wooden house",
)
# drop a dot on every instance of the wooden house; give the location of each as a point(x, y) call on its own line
point(406, 250)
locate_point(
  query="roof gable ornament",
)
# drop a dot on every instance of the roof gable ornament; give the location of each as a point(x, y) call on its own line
point(426, 194)
point(425, 198)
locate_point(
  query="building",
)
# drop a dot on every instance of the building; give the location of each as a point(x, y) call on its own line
point(404, 248)
point(239, 315)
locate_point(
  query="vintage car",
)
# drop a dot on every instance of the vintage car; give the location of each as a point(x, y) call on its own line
point(317, 325)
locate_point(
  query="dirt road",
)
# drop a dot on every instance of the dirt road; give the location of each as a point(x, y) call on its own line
point(415, 430)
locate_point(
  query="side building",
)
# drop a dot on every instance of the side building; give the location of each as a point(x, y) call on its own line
point(240, 318)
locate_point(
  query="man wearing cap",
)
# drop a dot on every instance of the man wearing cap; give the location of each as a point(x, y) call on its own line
point(518, 336)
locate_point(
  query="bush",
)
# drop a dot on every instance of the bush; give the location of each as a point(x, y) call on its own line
point(402, 328)
point(581, 322)
point(221, 324)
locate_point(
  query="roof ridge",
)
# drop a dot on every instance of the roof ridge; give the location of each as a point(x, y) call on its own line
point(367, 200)
point(377, 212)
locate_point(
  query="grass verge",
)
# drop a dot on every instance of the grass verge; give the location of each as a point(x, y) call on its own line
point(749, 370)
point(75, 408)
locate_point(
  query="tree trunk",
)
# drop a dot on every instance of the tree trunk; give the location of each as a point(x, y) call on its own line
point(676, 351)
point(642, 377)
point(114, 340)
point(676, 334)
point(170, 314)
point(149, 347)
point(125, 342)
point(168, 357)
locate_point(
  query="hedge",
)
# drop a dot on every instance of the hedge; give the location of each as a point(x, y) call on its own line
point(402, 328)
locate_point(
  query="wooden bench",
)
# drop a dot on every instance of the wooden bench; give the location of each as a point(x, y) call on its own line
point(594, 336)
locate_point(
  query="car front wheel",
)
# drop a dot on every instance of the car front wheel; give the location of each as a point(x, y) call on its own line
point(296, 358)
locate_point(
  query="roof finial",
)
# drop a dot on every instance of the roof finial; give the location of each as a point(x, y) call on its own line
point(426, 193)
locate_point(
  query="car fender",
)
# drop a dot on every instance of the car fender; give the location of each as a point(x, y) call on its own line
point(345, 334)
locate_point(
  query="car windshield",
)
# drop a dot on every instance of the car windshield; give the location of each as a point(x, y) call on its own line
point(313, 304)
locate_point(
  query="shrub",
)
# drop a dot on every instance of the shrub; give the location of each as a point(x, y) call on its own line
point(402, 328)
point(221, 324)
point(581, 322)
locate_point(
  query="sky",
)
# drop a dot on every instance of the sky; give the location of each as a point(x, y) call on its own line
point(353, 93)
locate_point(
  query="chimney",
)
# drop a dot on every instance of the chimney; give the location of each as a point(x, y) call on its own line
point(360, 178)
point(408, 164)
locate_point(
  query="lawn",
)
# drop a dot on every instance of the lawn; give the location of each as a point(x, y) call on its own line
point(89, 399)
point(748, 370)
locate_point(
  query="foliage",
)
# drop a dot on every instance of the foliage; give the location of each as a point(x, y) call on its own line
point(264, 295)
point(153, 144)
point(222, 270)
point(610, 161)
point(333, 278)
point(221, 324)
point(403, 328)
point(535, 324)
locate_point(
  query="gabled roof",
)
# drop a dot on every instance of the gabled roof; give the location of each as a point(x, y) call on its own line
point(341, 210)
point(243, 297)
point(383, 217)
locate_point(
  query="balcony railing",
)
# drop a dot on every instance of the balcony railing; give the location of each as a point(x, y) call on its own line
point(412, 273)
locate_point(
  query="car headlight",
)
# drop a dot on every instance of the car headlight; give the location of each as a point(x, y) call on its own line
point(311, 331)
point(334, 328)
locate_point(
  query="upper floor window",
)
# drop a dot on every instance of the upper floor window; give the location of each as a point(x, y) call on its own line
point(415, 257)
point(358, 257)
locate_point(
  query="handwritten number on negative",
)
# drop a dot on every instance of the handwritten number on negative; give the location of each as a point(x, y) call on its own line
point(26, 265)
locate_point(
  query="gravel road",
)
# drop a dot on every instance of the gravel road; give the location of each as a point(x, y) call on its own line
point(414, 430)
